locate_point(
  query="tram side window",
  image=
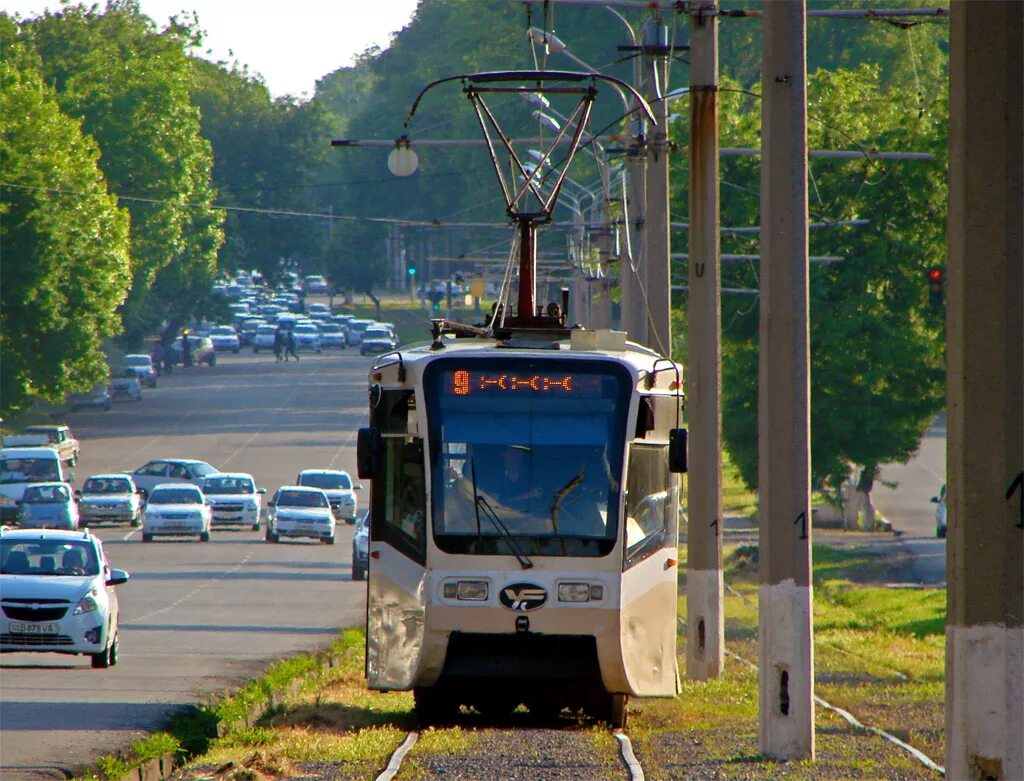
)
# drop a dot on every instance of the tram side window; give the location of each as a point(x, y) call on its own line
point(401, 520)
point(652, 502)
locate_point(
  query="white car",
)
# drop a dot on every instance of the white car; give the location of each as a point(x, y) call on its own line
point(57, 595)
point(338, 486)
point(142, 365)
point(318, 309)
point(332, 335)
point(361, 547)
point(109, 498)
point(264, 338)
point(297, 511)
point(377, 339)
point(171, 470)
point(307, 336)
point(354, 330)
point(176, 509)
point(225, 338)
point(940, 512)
point(234, 498)
point(48, 506)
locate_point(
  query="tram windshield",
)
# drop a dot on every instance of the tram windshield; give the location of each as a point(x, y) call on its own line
point(532, 446)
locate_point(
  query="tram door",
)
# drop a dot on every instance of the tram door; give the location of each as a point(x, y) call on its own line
point(649, 578)
point(395, 613)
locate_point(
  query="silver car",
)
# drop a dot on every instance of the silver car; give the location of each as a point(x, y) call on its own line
point(48, 506)
point(109, 498)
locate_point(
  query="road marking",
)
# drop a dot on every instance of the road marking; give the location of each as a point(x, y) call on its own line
point(128, 536)
point(636, 772)
point(395, 764)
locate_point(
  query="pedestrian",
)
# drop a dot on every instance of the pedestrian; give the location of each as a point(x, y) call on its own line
point(186, 349)
point(158, 356)
point(291, 346)
point(279, 345)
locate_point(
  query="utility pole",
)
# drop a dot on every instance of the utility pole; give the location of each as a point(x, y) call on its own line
point(657, 247)
point(985, 394)
point(705, 634)
point(634, 313)
point(786, 652)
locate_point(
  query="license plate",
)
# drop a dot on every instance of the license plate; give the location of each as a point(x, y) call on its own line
point(34, 629)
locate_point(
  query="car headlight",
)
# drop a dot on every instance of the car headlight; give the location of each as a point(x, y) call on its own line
point(87, 604)
point(251, 505)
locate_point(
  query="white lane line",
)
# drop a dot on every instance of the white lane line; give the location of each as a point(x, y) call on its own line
point(636, 773)
point(206, 584)
point(395, 764)
point(128, 536)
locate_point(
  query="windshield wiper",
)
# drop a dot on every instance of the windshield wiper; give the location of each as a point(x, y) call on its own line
point(478, 502)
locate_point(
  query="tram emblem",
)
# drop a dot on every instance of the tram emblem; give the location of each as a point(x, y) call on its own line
point(523, 596)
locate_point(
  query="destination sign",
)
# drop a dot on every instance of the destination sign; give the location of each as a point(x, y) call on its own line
point(467, 382)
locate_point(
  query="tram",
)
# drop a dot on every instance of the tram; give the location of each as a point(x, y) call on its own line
point(524, 515)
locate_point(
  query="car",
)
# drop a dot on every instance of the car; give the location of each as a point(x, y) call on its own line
point(355, 328)
point(109, 498)
point(377, 339)
point(21, 467)
point(234, 498)
point(361, 547)
point(319, 317)
point(48, 506)
point(58, 436)
point(171, 470)
point(176, 509)
point(940, 512)
point(299, 511)
point(318, 309)
point(307, 337)
point(338, 487)
point(342, 320)
point(247, 331)
point(200, 348)
point(141, 365)
point(316, 284)
point(125, 389)
point(57, 595)
point(97, 397)
point(264, 338)
point(332, 335)
point(225, 338)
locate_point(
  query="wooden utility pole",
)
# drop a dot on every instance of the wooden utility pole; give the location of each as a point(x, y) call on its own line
point(985, 394)
point(705, 634)
point(786, 651)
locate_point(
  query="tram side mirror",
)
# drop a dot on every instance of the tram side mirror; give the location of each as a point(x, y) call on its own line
point(368, 448)
point(677, 450)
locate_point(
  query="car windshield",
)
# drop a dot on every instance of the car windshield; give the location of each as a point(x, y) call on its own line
point(106, 485)
point(301, 499)
point(48, 557)
point(28, 470)
point(175, 496)
point(223, 330)
point(266, 329)
point(228, 485)
point(202, 469)
point(137, 360)
point(330, 328)
point(325, 480)
point(376, 333)
point(46, 494)
point(305, 329)
point(539, 444)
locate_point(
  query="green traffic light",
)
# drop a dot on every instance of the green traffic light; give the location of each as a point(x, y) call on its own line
point(412, 272)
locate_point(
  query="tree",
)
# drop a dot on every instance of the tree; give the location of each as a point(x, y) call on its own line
point(65, 241)
point(129, 84)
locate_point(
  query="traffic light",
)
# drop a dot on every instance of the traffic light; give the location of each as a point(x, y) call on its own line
point(411, 270)
point(437, 296)
point(935, 286)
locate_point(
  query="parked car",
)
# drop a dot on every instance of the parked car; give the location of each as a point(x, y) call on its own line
point(125, 389)
point(338, 487)
point(57, 595)
point(48, 506)
point(354, 330)
point(176, 509)
point(234, 498)
point(142, 366)
point(297, 511)
point(940, 512)
point(109, 498)
point(377, 339)
point(171, 470)
point(21, 467)
point(225, 338)
point(332, 335)
point(316, 284)
point(307, 337)
point(361, 547)
point(200, 347)
point(58, 436)
point(264, 339)
point(97, 397)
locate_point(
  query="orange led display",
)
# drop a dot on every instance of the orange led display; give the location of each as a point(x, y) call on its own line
point(465, 382)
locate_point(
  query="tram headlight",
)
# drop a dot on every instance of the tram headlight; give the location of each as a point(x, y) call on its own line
point(466, 590)
point(573, 592)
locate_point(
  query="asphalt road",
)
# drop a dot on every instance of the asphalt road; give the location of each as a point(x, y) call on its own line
point(197, 618)
point(909, 508)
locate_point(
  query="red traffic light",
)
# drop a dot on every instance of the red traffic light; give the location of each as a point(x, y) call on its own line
point(935, 275)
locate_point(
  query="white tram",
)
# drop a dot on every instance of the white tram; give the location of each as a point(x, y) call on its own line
point(524, 512)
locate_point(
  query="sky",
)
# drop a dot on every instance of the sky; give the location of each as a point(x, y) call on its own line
point(290, 48)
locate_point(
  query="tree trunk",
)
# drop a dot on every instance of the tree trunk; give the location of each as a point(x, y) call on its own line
point(376, 301)
point(864, 486)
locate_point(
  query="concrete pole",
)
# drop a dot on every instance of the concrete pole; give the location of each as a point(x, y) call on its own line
point(786, 652)
point(985, 393)
point(705, 640)
point(657, 248)
point(634, 317)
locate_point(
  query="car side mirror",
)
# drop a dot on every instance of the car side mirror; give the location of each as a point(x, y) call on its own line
point(261, 490)
point(78, 494)
point(117, 577)
point(935, 500)
point(358, 486)
point(368, 452)
point(677, 459)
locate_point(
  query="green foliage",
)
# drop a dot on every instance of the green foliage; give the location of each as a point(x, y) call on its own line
point(65, 242)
